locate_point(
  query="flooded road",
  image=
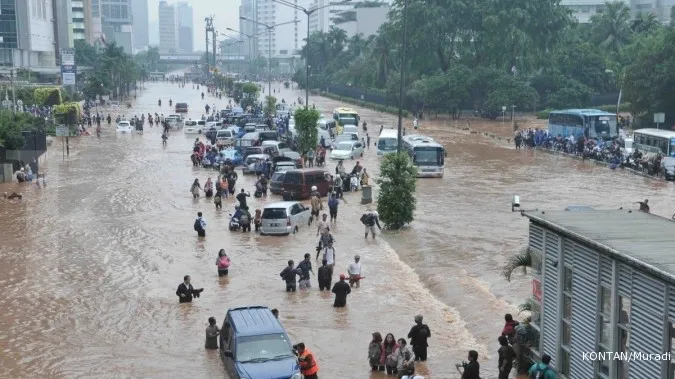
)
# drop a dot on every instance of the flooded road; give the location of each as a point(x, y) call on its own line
point(90, 264)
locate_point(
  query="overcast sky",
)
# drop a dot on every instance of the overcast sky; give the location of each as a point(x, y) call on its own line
point(225, 12)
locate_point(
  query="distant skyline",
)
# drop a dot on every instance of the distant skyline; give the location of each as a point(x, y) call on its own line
point(225, 16)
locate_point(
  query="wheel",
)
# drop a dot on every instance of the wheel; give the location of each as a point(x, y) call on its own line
point(295, 230)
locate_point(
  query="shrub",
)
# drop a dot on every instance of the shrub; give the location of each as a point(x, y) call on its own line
point(396, 199)
point(543, 115)
point(623, 107)
point(47, 96)
point(67, 114)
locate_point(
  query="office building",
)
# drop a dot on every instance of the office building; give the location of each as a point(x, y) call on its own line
point(92, 17)
point(64, 28)
point(141, 24)
point(603, 281)
point(117, 23)
point(324, 18)
point(583, 10)
point(284, 40)
point(363, 21)
point(168, 28)
point(185, 27)
point(27, 34)
point(247, 28)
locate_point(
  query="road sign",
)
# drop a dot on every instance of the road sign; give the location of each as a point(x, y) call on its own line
point(68, 68)
point(68, 78)
point(659, 118)
point(67, 57)
point(62, 131)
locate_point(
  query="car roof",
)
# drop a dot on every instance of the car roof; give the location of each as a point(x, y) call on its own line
point(282, 204)
point(253, 321)
point(258, 156)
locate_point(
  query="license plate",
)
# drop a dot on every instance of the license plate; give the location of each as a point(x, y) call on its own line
point(428, 170)
point(273, 225)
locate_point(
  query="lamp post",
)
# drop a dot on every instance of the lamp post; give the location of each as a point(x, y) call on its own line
point(307, 12)
point(616, 78)
point(250, 45)
point(269, 45)
point(403, 66)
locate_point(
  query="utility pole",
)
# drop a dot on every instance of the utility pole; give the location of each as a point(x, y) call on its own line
point(212, 29)
point(403, 68)
point(11, 75)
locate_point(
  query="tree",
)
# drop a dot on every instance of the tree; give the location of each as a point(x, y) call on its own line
point(270, 105)
point(611, 28)
point(305, 125)
point(249, 95)
point(521, 261)
point(11, 126)
point(47, 96)
point(396, 200)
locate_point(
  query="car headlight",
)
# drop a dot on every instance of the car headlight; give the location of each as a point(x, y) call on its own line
point(297, 375)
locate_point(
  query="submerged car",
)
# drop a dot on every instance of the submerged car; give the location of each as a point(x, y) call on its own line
point(284, 218)
point(347, 150)
point(232, 155)
point(276, 185)
point(124, 127)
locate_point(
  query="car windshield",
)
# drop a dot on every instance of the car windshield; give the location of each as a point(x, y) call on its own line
point(344, 146)
point(263, 348)
point(669, 162)
point(278, 177)
point(274, 213)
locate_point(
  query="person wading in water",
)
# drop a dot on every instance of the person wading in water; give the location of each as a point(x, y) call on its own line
point(418, 335)
point(341, 289)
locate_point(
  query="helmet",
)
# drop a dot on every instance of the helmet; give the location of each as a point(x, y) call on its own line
point(313, 188)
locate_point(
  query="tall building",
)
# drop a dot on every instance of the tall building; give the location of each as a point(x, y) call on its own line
point(141, 22)
point(27, 34)
point(247, 28)
point(185, 27)
point(92, 17)
point(64, 28)
point(583, 10)
point(324, 18)
point(283, 40)
point(117, 23)
point(168, 28)
point(364, 21)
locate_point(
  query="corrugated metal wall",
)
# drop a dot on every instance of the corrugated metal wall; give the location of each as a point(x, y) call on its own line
point(671, 304)
point(549, 331)
point(536, 238)
point(646, 319)
point(584, 309)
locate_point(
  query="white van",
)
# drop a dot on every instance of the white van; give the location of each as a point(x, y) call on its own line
point(350, 129)
point(190, 127)
point(225, 136)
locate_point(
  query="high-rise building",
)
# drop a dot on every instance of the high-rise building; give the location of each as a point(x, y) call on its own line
point(64, 28)
point(324, 18)
point(583, 10)
point(168, 28)
point(92, 17)
point(247, 28)
point(185, 27)
point(27, 34)
point(363, 21)
point(141, 23)
point(283, 40)
point(117, 23)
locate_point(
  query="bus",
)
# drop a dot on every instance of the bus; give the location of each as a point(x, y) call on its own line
point(346, 116)
point(387, 142)
point(655, 141)
point(426, 154)
point(590, 123)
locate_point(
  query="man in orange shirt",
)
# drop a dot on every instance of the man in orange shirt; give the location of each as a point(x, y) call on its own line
point(308, 365)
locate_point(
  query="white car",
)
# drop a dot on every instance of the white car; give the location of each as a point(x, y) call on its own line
point(212, 124)
point(124, 127)
point(347, 150)
point(191, 127)
point(115, 105)
point(284, 218)
point(281, 146)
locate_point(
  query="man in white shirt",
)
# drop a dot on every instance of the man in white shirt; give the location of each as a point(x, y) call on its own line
point(329, 256)
point(354, 271)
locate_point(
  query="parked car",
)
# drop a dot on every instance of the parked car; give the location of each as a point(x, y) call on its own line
point(225, 136)
point(268, 135)
point(181, 107)
point(347, 150)
point(668, 164)
point(232, 155)
point(298, 183)
point(343, 138)
point(297, 158)
point(190, 127)
point(250, 161)
point(254, 345)
point(124, 127)
point(269, 150)
point(281, 146)
point(276, 185)
point(284, 218)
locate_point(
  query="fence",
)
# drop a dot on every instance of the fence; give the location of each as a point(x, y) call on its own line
point(370, 96)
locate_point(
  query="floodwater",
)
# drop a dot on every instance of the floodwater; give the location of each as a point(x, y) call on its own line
point(89, 265)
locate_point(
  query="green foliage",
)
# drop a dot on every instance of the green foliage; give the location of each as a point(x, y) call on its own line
point(305, 124)
point(287, 84)
point(364, 104)
point(67, 114)
point(543, 115)
point(47, 96)
point(396, 200)
point(270, 105)
point(11, 126)
point(113, 71)
point(249, 92)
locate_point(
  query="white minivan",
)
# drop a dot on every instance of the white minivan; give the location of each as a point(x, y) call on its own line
point(225, 136)
point(284, 218)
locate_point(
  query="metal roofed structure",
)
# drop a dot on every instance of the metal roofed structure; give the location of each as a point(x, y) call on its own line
point(639, 239)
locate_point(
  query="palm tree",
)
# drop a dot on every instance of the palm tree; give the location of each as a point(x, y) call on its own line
point(523, 259)
point(337, 38)
point(381, 55)
point(611, 29)
point(645, 23)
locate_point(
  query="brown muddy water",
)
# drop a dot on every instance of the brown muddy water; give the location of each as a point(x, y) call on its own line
point(89, 265)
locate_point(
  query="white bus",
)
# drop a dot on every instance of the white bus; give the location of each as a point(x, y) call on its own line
point(387, 142)
point(426, 154)
point(655, 141)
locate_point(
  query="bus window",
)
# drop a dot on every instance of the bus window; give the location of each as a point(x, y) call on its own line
point(671, 151)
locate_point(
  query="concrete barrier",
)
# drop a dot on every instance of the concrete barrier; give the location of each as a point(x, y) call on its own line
point(366, 194)
point(6, 174)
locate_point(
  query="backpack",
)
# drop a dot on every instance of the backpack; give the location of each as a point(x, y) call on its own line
point(424, 331)
point(539, 373)
point(368, 219)
point(364, 219)
point(374, 352)
point(244, 219)
point(223, 262)
point(198, 225)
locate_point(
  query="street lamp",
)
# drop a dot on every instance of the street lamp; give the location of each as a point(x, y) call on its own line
point(269, 44)
point(616, 78)
point(307, 12)
point(250, 45)
point(403, 66)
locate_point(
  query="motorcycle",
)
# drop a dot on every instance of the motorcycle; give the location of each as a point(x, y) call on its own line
point(234, 224)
